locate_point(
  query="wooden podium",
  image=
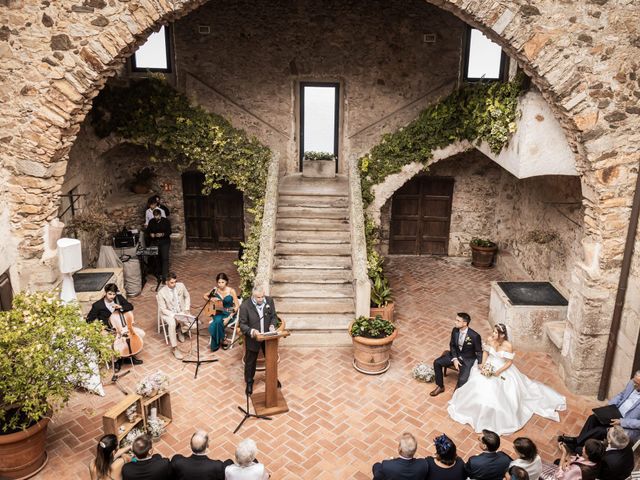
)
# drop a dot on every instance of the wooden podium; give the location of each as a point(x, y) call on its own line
point(271, 401)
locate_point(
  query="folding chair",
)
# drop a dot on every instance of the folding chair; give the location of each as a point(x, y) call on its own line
point(233, 324)
point(161, 323)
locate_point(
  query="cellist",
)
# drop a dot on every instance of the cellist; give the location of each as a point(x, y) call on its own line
point(103, 308)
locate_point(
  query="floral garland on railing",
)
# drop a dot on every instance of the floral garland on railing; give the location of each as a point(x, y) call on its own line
point(151, 113)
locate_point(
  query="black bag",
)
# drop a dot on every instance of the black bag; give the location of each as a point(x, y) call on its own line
point(124, 239)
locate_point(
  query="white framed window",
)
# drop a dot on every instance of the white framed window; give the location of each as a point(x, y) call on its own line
point(319, 114)
point(484, 59)
point(153, 55)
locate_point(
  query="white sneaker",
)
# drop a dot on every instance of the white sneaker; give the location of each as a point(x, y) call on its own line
point(178, 354)
point(180, 336)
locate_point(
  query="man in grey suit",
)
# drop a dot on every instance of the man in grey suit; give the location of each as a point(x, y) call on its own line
point(258, 315)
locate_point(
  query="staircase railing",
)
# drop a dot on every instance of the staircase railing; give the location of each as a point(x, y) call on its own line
point(268, 233)
point(361, 283)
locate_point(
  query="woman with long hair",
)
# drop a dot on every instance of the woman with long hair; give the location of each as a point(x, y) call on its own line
point(227, 305)
point(109, 459)
point(498, 397)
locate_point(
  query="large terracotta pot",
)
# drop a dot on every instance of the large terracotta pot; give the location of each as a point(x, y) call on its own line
point(385, 312)
point(22, 454)
point(260, 362)
point(483, 257)
point(372, 355)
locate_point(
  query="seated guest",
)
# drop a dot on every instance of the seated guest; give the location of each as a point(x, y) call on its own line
point(585, 467)
point(516, 473)
point(628, 403)
point(198, 465)
point(405, 467)
point(528, 457)
point(109, 460)
point(105, 307)
point(246, 466)
point(446, 465)
point(174, 298)
point(146, 466)
point(490, 464)
point(617, 462)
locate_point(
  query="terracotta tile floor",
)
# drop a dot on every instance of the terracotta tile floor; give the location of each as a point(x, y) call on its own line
point(340, 420)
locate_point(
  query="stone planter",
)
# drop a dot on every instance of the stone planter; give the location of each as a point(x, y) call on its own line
point(483, 257)
point(260, 362)
point(371, 356)
point(22, 454)
point(385, 312)
point(319, 168)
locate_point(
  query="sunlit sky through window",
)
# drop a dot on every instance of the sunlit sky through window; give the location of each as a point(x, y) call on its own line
point(153, 54)
point(319, 118)
point(484, 57)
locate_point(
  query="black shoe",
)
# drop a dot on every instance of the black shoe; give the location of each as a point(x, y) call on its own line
point(249, 389)
point(116, 367)
point(136, 361)
point(279, 384)
point(566, 439)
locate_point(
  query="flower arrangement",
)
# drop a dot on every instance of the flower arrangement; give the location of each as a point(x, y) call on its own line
point(131, 413)
point(156, 426)
point(311, 155)
point(150, 385)
point(131, 436)
point(423, 372)
point(488, 370)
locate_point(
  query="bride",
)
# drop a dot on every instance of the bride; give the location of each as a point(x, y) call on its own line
point(497, 396)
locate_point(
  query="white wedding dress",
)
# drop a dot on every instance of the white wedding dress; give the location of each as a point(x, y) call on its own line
point(503, 405)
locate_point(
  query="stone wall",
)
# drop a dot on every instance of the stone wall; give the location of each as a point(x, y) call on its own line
point(531, 219)
point(374, 49)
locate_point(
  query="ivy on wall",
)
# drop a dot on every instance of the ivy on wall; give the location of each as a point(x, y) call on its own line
point(152, 114)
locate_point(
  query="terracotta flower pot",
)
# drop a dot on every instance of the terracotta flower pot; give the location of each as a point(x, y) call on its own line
point(483, 257)
point(372, 355)
point(22, 454)
point(385, 312)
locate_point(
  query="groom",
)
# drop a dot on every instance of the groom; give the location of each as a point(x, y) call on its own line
point(465, 347)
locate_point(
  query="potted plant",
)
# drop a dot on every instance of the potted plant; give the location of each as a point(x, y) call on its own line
point(381, 298)
point(372, 339)
point(142, 180)
point(319, 164)
point(483, 252)
point(46, 349)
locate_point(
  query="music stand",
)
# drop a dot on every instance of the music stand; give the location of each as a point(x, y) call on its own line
point(184, 318)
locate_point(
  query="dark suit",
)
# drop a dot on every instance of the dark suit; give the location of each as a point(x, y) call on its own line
point(249, 319)
point(401, 469)
point(617, 464)
point(99, 310)
point(488, 466)
point(156, 468)
point(470, 352)
point(198, 466)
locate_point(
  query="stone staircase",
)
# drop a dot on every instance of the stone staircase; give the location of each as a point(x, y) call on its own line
point(311, 281)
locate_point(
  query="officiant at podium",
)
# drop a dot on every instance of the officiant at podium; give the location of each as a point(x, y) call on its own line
point(256, 316)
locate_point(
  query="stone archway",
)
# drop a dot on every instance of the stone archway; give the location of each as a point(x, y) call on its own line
point(65, 53)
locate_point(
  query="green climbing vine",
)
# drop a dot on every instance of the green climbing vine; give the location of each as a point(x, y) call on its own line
point(152, 114)
point(476, 112)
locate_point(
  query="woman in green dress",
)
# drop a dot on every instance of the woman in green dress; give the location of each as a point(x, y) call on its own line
point(226, 305)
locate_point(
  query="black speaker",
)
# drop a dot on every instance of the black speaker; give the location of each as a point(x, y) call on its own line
point(124, 242)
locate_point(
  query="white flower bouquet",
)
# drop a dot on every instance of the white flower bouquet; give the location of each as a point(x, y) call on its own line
point(423, 372)
point(488, 370)
point(156, 426)
point(131, 436)
point(150, 385)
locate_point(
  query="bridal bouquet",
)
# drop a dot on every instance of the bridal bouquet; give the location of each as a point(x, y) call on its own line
point(423, 372)
point(489, 370)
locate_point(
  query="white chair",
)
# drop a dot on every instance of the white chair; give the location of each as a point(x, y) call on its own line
point(233, 324)
point(161, 323)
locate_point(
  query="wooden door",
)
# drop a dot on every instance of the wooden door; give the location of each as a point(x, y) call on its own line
point(214, 221)
point(421, 217)
point(6, 292)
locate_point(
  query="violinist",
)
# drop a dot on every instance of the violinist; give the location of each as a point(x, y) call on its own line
point(103, 308)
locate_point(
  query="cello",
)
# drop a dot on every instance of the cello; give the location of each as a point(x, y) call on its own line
point(128, 340)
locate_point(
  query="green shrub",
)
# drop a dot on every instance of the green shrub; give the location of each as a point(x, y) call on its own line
point(372, 327)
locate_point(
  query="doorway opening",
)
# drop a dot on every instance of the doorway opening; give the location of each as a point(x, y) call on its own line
point(319, 114)
point(214, 221)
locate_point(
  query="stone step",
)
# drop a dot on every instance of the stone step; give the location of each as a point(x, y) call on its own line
point(317, 321)
point(328, 201)
point(312, 275)
point(308, 236)
point(313, 212)
point(312, 262)
point(296, 184)
point(312, 224)
point(314, 305)
point(342, 249)
point(311, 290)
point(317, 338)
point(555, 332)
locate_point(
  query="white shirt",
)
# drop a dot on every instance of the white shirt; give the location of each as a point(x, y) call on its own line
point(534, 468)
point(260, 309)
point(255, 471)
point(462, 334)
point(110, 305)
point(148, 215)
point(174, 300)
point(629, 402)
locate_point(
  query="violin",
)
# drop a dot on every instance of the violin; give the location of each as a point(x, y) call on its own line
point(128, 341)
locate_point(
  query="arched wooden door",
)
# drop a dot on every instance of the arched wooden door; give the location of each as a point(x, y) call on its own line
point(213, 221)
point(421, 217)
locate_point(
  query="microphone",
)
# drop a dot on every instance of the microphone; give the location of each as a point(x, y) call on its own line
point(213, 292)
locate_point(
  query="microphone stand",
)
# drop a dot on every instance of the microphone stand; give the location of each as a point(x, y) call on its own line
point(197, 361)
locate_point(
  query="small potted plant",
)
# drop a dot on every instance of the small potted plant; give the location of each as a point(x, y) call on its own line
point(381, 298)
point(319, 164)
point(372, 339)
point(483, 252)
point(46, 347)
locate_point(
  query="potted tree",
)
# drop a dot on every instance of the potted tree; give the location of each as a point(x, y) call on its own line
point(381, 298)
point(483, 252)
point(46, 349)
point(372, 339)
point(319, 164)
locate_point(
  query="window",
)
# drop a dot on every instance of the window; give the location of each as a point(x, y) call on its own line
point(153, 55)
point(319, 114)
point(484, 60)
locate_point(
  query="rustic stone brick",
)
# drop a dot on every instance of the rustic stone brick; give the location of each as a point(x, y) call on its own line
point(82, 9)
point(615, 117)
point(61, 42)
point(47, 21)
point(100, 21)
